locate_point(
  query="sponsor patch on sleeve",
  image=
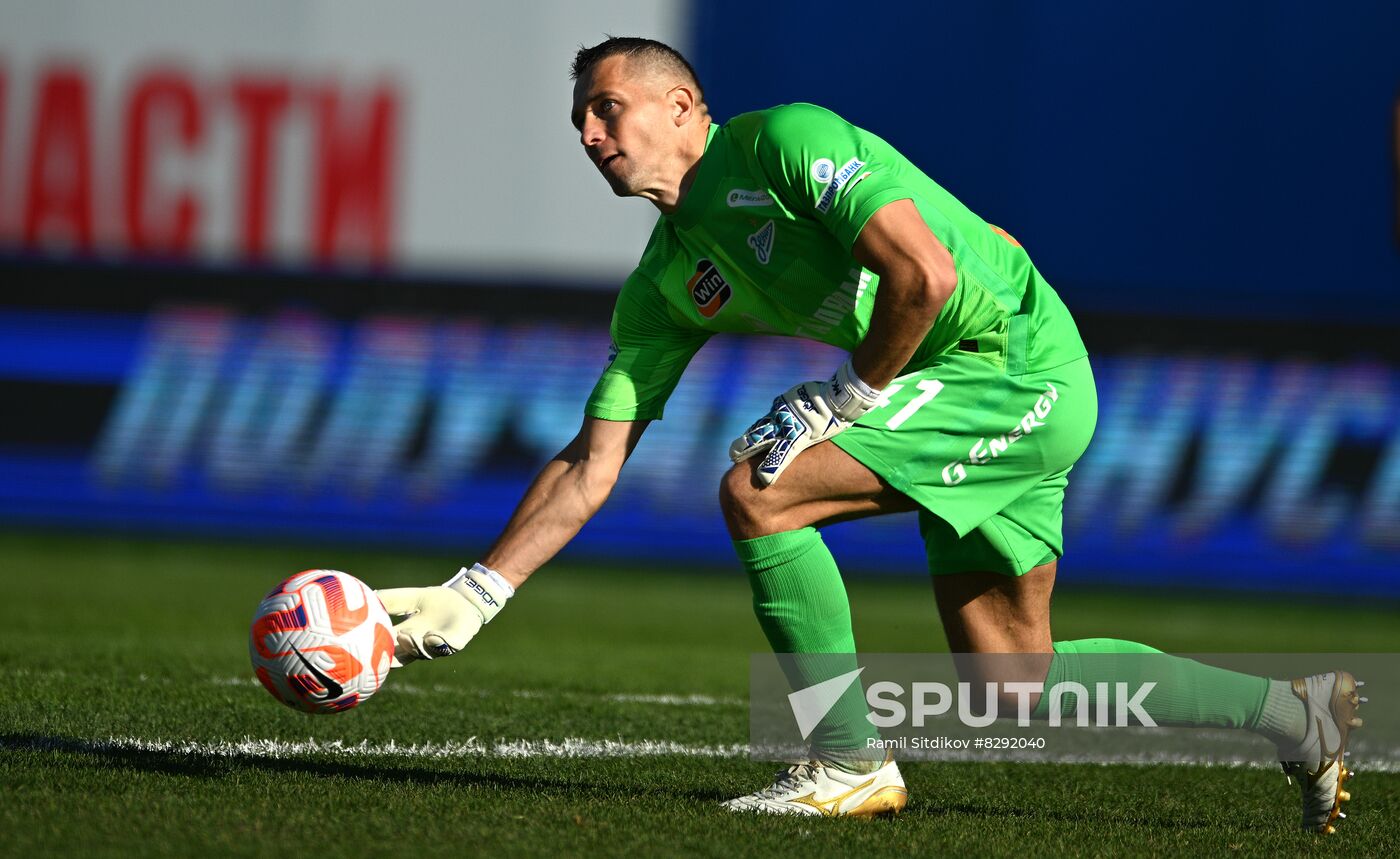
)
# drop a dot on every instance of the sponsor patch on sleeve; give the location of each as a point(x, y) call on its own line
point(709, 289)
point(838, 181)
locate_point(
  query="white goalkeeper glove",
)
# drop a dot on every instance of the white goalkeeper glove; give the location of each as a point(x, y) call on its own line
point(806, 414)
point(441, 620)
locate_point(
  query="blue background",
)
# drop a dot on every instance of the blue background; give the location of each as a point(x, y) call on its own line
point(1190, 157)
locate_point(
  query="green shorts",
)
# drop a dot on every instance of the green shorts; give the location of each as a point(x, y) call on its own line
point(985, 455)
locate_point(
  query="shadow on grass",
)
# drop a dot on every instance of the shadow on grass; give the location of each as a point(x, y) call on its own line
point(201, 765)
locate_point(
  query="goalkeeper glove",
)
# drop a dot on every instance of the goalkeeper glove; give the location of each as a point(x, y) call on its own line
point(441, 620)
point(806, 414)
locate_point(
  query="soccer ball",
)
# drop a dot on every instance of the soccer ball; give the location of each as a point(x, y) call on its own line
point(321, 642)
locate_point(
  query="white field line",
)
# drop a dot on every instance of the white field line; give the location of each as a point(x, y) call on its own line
point(396, 687)
point(571, 748)
point(1367, 759)
point(678, 700)
point(669, 700)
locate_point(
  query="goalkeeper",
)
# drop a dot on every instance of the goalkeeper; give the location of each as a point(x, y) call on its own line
point(967, 397)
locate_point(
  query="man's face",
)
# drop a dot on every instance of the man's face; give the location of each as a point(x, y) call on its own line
point(626, 125)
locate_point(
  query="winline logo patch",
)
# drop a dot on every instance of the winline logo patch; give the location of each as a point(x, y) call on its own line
point(709, 289)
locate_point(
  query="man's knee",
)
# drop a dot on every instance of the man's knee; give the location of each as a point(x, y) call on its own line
point(745, 507)
point(824, 484)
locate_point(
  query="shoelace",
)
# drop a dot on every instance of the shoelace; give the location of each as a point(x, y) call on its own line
point(786, 780)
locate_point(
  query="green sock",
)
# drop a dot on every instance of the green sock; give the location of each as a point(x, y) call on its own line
point(1187, 692)
point(1284, 718)
point(801, 604)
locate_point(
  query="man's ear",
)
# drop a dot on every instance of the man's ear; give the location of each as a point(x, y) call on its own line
point(682, 104)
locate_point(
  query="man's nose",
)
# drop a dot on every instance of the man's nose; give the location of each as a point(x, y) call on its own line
point(592, 132)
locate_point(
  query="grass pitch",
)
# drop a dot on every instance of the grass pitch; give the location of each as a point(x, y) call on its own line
point(129, 723)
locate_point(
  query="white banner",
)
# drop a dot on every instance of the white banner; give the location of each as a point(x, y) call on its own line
point(429, 136)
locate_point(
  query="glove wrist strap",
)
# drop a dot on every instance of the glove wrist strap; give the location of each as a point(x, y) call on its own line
point(484, 587)
point(851, 397)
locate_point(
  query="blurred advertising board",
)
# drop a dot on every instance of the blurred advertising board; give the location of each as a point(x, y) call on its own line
point(1222, 470)
point(430, 136)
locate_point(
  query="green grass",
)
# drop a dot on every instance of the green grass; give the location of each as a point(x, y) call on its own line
point(143, 639)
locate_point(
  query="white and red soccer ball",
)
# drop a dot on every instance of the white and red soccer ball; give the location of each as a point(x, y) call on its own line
point(321, 642)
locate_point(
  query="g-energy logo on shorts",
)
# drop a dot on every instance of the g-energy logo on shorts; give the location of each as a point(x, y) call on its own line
point(833, 189)
point(985, 450)
point(709, 289)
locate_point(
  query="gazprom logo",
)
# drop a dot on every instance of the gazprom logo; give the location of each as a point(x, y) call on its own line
point(833, 190)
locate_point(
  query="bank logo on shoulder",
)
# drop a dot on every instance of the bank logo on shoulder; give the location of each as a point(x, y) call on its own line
point(822, 169)
point(762, 242)
point(833, 189)
point(739, 197)
point(709, 289)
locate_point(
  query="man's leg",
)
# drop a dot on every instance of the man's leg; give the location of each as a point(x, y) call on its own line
point(1007, 619)
point(799, 597)
point(994, 613)
point(801, 604)
point(1004, 490)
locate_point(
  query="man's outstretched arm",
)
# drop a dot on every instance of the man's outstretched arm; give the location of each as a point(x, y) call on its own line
point(565, 495)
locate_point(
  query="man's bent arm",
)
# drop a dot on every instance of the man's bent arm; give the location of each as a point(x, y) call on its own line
point(917, 277)
point(565, 495)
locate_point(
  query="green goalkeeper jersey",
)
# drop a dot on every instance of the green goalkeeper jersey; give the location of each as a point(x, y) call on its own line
point(762, 242)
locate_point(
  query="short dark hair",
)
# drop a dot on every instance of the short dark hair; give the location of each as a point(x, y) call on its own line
point(655, 54)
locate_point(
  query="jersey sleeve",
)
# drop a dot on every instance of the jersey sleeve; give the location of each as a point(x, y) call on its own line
point(823, 167)
point(650, 351)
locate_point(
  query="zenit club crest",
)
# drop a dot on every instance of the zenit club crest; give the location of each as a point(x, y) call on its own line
point(709, 289)
point(762, 242)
